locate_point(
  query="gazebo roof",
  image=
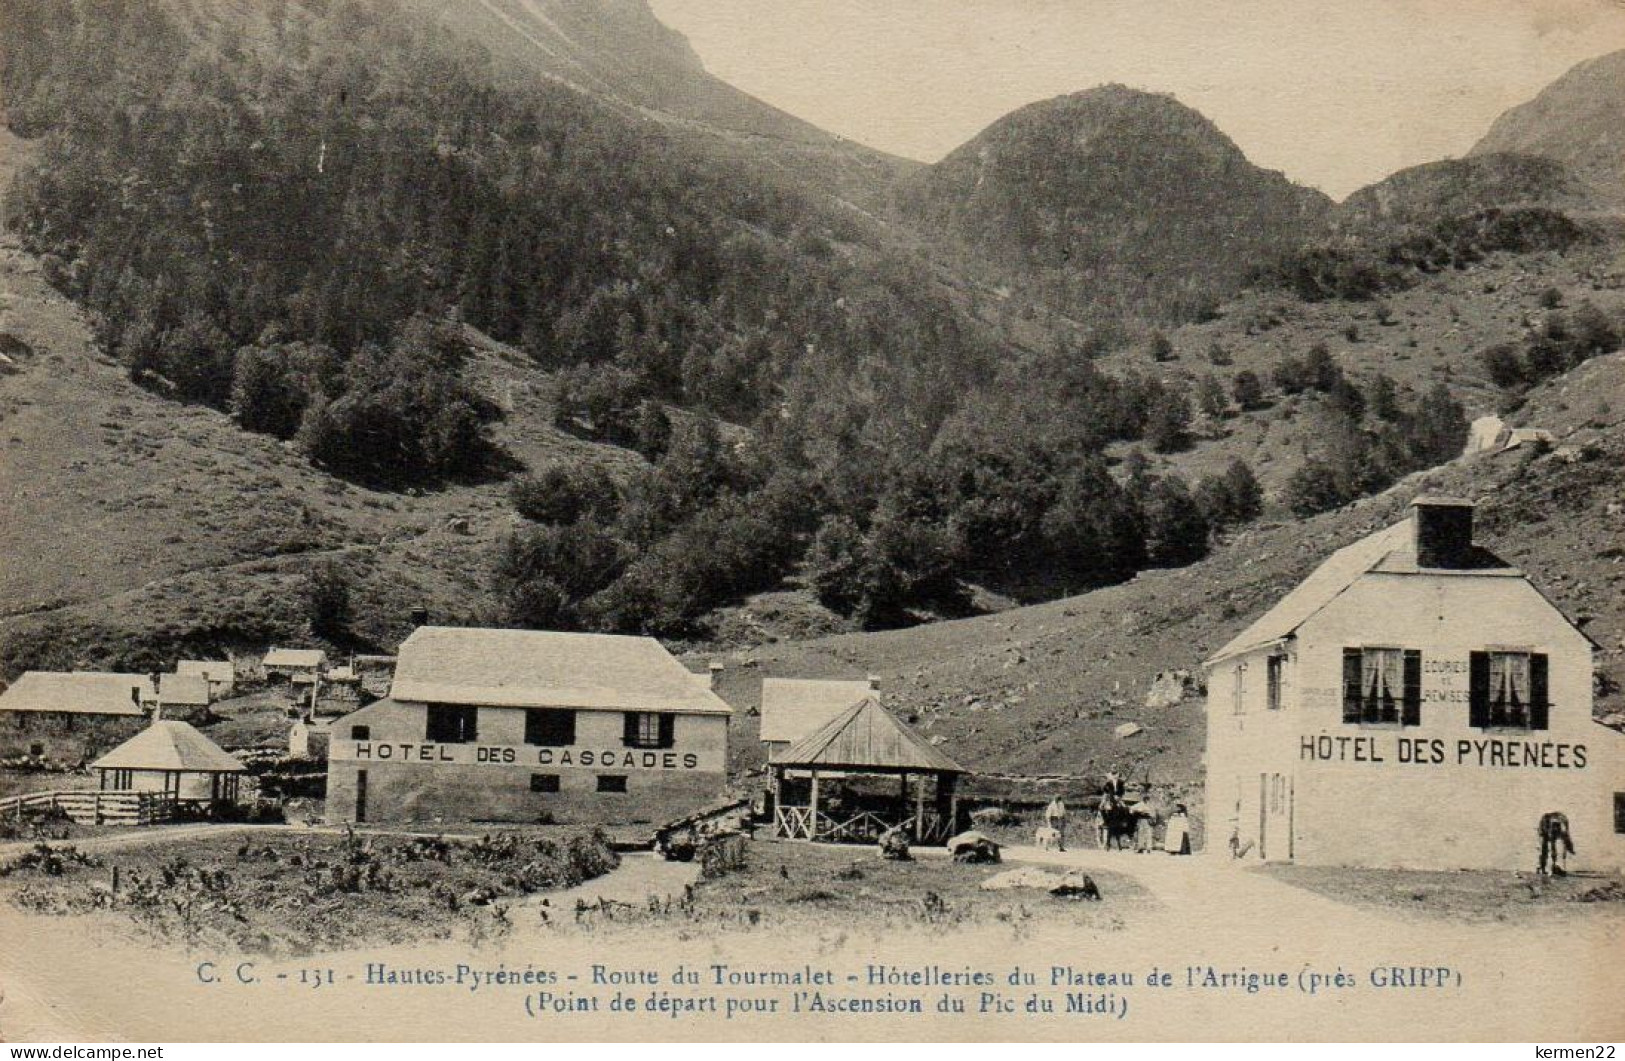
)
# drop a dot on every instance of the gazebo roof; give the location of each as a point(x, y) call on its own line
point(867, 736)
point(170, 745)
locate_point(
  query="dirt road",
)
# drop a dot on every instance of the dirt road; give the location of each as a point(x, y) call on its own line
point(1212, 923)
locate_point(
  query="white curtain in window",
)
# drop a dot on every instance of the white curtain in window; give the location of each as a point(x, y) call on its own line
point(1509, 678)
point(1382, 673)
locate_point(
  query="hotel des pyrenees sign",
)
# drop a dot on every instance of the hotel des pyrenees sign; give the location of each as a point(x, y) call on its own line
point(1444, 688)
point(574, 756)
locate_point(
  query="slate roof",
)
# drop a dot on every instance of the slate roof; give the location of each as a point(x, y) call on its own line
point(866, 735)
point(78, 692)
point(1389, 551)
point(183, 690)
point(539, 668)
point(295, 657)
point(211, 669)
point(170, 745)
point(795, 707)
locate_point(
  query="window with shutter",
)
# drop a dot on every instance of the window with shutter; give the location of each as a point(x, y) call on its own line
point(1509, 690)
point(648, 729)
point(1412, 706)
point(1382, 686)
point(452, 724)
point(1478, 689)
point(1351, 685)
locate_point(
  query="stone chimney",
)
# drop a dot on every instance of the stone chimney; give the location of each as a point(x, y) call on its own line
point(1443, 532)
point(715, 679)
point(874, 683)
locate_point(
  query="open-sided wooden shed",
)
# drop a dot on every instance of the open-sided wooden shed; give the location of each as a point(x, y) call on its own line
point(817, 794)
point(174, 759)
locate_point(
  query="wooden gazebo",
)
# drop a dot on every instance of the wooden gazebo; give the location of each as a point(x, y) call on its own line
point(819, 781)
point(173, 759)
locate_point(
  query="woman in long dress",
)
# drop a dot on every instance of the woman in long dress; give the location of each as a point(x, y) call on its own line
point(1177, 840)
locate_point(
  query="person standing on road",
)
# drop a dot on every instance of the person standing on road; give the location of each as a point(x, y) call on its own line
point(1177, 840)
point(1055, 818)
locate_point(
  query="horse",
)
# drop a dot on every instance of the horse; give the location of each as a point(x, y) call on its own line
point(1553, 830)
point(1116, 824)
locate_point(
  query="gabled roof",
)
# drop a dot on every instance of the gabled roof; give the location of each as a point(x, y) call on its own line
point(78, 692)
point(539, 668)
point(795, 707)
point(183, 690)
point(295, 657)
point(1336, 574)
point(213, 670)
point(1390, 551)
point(866, 735)
point(170, 745)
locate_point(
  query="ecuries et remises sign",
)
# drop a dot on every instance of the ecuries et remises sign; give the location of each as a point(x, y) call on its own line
point(510, 755)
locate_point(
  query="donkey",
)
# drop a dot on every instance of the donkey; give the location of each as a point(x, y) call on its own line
point(1555, 842)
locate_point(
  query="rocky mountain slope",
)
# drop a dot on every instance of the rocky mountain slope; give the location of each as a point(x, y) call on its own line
point(617, 50)
point(1574, 121)
point(1041, 690)
point(1421, 195)
point(1113, 196)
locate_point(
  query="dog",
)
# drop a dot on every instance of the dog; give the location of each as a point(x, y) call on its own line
point(1047, 838)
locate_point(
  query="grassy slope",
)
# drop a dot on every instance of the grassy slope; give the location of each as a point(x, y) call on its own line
point(135, 521)
point(1435, 333)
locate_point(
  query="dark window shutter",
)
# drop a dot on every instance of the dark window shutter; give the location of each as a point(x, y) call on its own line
point(629, 729)
point(1478, 689)
point(1540, 705)
point(668, 730)
point(1351, 685)
point(1412, 715)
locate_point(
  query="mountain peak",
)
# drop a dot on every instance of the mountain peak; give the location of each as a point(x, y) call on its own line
point(1578, 120)
point(1115, 192)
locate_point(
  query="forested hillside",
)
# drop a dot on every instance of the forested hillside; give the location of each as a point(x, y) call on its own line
point(291, 212)
point(661, 349)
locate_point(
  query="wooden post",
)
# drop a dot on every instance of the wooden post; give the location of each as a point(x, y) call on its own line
point(919, 810)
point(778, 800)
point(812, 824)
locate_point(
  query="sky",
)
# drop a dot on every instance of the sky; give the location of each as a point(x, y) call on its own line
point(1334, 93)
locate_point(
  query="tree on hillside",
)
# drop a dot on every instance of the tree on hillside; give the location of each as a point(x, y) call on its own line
point(1231, 498)
point(1210, 396)
point(1176, 531)
point(1247, 390)
point(1383, 398)
point(1312, 489)
point(1094, 531)
point(1320, 369)
point(836, 565)
point(1246, 495)
point(1168, 419)
point(566, 493)
point(327, 601)
point(1438, 431)
point(653, 431)
point(1161, 348)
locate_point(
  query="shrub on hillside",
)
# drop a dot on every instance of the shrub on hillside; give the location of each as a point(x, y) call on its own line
point(565, 493)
